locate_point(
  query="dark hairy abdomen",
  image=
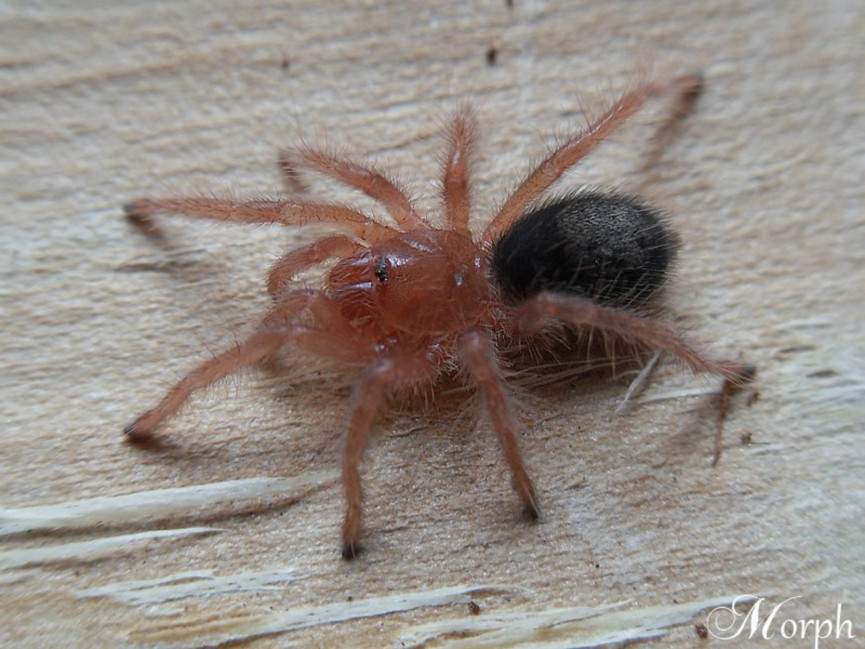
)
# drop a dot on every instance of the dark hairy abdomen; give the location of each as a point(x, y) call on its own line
point(613, 249)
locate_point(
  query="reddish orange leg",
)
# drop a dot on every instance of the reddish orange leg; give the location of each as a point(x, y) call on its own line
point(579, 145)
point(328, 316)
point(480, 359)
point(283, 212)
point(370, 182)
point(369, 395)
point(456, 176)
point(252, 350)
point(532, 315)
point(276, 330)
point(295, 261)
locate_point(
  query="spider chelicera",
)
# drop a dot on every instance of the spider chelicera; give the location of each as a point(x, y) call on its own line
point(413, 303)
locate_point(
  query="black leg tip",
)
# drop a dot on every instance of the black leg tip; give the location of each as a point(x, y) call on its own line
point(350, 551)
point(749, 372)
point(136, 436)
point(133, 213)
point(141, 220)
point(532, 511)
point(699, 80)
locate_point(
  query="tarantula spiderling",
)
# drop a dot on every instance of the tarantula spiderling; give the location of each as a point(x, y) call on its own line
point(411, 302)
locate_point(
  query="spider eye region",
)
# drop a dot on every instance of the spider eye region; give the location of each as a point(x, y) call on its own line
point(460, 276)
point(610, 248)
point(380, 268)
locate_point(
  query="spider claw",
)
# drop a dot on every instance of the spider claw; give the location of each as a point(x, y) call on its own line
point(530, 506)
point(748, 373)
point(350, 550)
point(739, 376)
point(133, 434)
point(135, 211)
point(716, 457)
point(136, 431)
point(141, 218)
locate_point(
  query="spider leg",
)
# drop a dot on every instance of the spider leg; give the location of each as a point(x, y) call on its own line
point(295, 261)
point(686, 98)
point(456, 175)
point(549, 170)
point(292, 180)
point(253, 349)
point(533, 313)
point(531, 316)
point(275, 331)
point(368, 398)
point(480, 359)
point(372, 183)
point(327, 314)
point(283, 212)
point(727, 390)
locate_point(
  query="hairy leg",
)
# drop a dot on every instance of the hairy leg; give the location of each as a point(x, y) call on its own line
point(456, 176)
point(480, 359)
point(283, 212)
point(292, 180)
point(683, 104)
point(369, 395)
point(533, 314)
point(328, 316)
point(295, 261)
point(370, 182)
point(579, 145)
point(275, 331)
point(250, 351)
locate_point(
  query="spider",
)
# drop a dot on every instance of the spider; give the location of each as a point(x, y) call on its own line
point(413, 304)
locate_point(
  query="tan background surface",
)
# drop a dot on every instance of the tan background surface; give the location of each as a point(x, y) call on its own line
point(99, 105)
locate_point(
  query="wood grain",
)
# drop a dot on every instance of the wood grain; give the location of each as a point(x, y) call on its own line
point(764, 182)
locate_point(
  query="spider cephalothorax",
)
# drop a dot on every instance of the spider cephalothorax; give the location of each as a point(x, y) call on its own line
point(411, 302)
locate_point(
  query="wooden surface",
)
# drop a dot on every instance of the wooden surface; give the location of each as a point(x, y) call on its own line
point(98, 106)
